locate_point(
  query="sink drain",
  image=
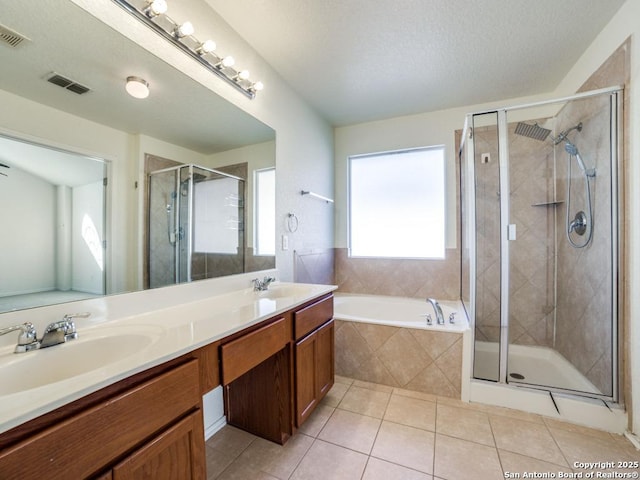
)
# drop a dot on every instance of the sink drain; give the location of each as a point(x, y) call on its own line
point(517, 376)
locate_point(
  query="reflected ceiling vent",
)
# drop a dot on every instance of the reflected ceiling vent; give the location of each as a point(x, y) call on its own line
point(10, 37)
point(66, 83)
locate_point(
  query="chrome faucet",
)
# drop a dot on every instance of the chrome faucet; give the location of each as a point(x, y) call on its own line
point(55, 333)
point(61, 331)
point(262, 285)
point(26, 340)
point(436, 307)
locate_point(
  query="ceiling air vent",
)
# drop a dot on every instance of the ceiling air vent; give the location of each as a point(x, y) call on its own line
point(66, 83)
point(10, 37)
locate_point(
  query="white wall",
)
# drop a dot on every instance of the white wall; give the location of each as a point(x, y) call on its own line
point(27, 262)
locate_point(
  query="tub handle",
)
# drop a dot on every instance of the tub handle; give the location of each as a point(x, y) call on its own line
point(452, 317)
point(428, 318)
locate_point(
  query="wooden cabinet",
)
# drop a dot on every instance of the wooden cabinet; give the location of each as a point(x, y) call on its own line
point(176, 454)
point(86, 440)
point(276, 373)
point(314, 369)
point(256, 379)
point(314, 356)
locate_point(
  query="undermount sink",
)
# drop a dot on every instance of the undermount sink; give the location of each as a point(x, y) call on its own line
point(26, 371)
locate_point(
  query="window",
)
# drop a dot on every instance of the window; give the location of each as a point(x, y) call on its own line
point(397, 204)
point(265, 211)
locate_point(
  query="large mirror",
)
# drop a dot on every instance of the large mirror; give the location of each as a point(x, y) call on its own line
point(76, 167)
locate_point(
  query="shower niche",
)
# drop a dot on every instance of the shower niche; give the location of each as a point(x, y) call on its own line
point(540, 243)
point(196, 224)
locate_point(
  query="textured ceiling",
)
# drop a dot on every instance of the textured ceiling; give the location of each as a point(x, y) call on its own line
point(361, 60)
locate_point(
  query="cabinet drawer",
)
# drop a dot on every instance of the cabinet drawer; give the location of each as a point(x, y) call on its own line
point(248, 351)
point(311, 317)
point(83, 444)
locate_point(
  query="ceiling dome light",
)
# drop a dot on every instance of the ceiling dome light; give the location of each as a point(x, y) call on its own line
point(137, 87)
point(184, 30)
point(207, 47)
point(155, 8)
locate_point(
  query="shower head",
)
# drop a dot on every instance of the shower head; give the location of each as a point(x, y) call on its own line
point(563, 135)
point(534, 131)
point(572, 150)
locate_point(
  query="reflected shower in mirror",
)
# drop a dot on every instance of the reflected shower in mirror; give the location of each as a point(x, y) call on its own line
point(196, 225)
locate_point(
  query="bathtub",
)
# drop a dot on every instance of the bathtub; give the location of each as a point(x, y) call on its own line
point(398, 312)
point(386, 340)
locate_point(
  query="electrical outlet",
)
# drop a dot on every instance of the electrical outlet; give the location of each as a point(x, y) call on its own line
point(485, 157)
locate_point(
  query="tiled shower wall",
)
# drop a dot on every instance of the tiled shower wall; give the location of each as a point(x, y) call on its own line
point(584, 329)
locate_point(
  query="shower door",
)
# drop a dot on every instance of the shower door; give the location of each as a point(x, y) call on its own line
point(196, 225)
point(546, 244)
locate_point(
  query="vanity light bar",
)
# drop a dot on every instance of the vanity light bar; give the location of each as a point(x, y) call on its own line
point(151, 13)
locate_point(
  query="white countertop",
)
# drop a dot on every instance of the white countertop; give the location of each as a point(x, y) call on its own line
point(113, 347)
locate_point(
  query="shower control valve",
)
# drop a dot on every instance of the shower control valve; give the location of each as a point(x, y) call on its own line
point(427, 316)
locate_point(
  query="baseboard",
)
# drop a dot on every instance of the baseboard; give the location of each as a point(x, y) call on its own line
point(212, 429)
point(633, 438)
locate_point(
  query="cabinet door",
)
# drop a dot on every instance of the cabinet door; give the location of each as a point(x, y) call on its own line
point(176, 454)
point(325, 359)
point(306, 377)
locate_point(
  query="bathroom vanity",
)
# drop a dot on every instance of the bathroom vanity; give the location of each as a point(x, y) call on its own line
point(274, 369)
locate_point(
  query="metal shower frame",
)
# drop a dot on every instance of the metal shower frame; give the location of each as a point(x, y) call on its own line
point(503, 153)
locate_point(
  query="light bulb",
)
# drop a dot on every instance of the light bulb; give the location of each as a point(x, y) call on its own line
point(243, 75)
point(228, 61)
point(184, 30)
point(207, 47)
point(137, 87)
point(258, 86)
point(156, 7)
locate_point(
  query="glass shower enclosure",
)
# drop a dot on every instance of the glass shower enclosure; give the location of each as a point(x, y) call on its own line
point(540, 243)
point(196, 225)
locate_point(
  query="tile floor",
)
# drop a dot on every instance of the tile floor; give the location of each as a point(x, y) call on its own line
point(368, 431)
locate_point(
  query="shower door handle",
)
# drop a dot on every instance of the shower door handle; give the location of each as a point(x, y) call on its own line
point(511, 231)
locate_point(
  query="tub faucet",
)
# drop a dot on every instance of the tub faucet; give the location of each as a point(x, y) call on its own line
point(436, 307)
